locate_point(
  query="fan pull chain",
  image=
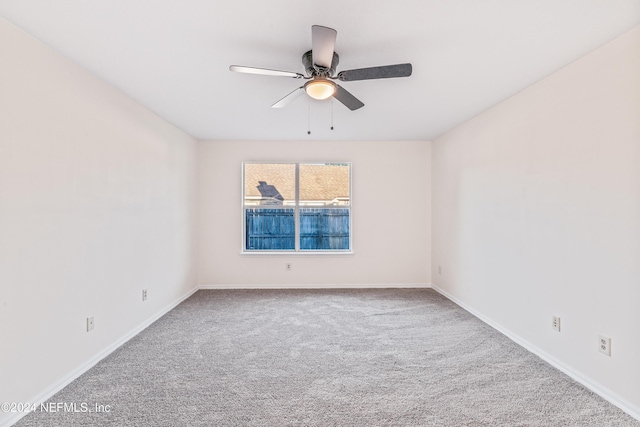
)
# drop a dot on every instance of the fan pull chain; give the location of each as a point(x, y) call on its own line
point(308, 117)
point(331, 113)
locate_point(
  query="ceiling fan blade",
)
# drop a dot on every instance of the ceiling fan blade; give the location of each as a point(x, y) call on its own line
point(349, 101)
point(383, 72)
point(323, 42)
point(290, 97)
point(264, 71)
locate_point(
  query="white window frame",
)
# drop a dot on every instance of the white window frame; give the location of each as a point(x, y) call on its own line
point(296, 208)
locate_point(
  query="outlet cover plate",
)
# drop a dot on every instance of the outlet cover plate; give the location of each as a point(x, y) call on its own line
point(604, 345)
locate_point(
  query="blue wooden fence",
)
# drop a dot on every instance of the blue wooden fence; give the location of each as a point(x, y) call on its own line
point(324, 229)
point(270, 229)
point(320, 229)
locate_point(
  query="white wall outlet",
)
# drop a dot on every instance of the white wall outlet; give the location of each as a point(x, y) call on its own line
point(89, 323)
point(439, 269)
point(288, 266)
point(144, 295)
point(555, 323)
point(604, 345)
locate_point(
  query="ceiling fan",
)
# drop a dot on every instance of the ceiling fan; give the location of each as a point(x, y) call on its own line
point(320, 65)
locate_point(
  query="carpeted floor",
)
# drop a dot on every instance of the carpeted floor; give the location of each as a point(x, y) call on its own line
point(391, 357)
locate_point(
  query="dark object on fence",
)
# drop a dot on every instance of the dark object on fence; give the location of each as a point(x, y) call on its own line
point(270, 193)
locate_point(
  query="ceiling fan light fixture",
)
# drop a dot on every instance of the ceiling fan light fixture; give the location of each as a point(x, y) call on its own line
point(320, 89)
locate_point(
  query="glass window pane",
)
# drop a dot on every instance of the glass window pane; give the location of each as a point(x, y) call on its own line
point(269, 229)
point(324, 184)
point(270, 184)
point(324, 228)
point(290, 207)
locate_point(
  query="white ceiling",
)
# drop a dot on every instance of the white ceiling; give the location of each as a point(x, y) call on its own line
point(173, 57)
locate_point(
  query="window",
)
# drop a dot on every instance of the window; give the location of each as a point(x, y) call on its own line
point(297, 207)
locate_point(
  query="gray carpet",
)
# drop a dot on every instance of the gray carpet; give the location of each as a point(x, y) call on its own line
point(326, 358)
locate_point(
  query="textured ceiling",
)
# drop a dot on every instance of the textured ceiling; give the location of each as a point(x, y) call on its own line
point(467, 55)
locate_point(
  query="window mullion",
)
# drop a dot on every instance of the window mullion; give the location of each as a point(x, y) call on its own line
point(296, 214)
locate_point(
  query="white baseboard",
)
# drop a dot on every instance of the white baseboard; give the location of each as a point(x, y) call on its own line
point(597, 388)
point(65, 381)
point(322, 286)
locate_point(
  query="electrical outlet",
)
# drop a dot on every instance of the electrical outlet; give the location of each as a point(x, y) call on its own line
point(288, 266)
point(555, 323)
point(439, 269)
point(89, 323)
point(604, 345)
point(144, 295)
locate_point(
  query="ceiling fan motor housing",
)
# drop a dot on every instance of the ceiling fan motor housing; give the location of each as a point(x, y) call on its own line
point(312, 71)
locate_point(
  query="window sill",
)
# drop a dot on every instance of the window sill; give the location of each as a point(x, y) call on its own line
point(294, 253)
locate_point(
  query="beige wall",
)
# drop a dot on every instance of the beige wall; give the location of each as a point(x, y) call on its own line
point(537, 213)
point(97, 202)
point(390, 215)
